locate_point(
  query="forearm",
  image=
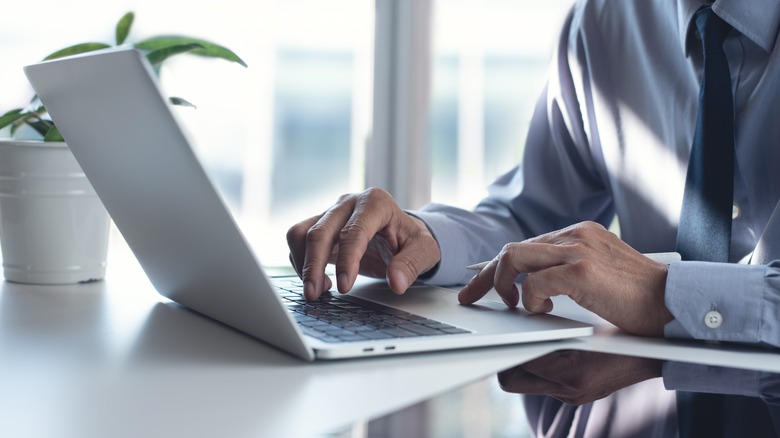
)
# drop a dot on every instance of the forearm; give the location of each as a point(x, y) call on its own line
point(464, 238)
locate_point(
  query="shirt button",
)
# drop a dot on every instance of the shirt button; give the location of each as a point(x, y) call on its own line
point(713, 319)
point(736, 212)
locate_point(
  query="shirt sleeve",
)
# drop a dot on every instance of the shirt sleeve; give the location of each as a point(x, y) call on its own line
point(557, 183)
point(724, 302)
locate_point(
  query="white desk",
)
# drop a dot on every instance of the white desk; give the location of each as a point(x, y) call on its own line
point(113, 358)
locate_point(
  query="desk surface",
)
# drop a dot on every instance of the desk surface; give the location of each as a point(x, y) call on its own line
point(114, 358)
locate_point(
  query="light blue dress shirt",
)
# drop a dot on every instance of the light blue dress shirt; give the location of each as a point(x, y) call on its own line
point(612, 134)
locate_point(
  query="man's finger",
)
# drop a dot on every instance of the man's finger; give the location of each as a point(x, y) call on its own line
point(485, 280)
point(540, 286)
point(518, 259)
point(413, 259)
point(524, 257)
point(320, 239)
point(296, 241)
point(367, 218)
point(517, 380)
point(581, 231)
point(507, 271)
point(515, 260)
point(479, 285)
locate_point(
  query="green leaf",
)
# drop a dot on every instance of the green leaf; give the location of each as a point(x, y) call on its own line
point(19, 123)
point(53, 135)
point(75, 50)
point(16, 126)
point(123, 27)
point(10, 117)
point(208, 48)
point(42, 126)
point(158, 56)
point(13, 111)
point(181, 102)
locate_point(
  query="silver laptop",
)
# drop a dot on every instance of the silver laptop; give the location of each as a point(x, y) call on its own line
point(109, 108)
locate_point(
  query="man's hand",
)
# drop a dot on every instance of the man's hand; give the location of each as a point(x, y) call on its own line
point(585, 261)
point(364, 233)
point(578, 377)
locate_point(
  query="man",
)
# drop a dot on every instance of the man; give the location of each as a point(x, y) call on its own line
point(611, 134)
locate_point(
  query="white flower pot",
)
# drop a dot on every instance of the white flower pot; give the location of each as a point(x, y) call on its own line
point(53, 227)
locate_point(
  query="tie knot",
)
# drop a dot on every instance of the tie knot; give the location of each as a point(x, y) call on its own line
point(713, 29)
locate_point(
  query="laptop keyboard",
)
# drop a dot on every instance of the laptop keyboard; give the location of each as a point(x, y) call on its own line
point(346, 318)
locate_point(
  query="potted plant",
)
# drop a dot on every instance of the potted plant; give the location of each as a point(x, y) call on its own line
point(53, 228)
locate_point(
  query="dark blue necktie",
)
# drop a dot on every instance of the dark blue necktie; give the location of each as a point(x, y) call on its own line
point(705, 221)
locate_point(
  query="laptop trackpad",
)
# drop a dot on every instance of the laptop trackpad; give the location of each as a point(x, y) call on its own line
point(442, 305)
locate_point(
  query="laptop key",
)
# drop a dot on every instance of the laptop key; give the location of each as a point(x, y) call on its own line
point(354, 337)
point(421, 330)
point(313, 333)
point(399, 333)
point(411, 317)
point(455, 331)
point(305, 320)
point(386, 316)
point(377, 335)
point(339, 332)
point(436, 325)
point(381, 326)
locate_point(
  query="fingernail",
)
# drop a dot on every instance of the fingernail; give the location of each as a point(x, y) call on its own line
point(508, 304)
point(515, 297)
point(401, 282)
point(342, 281)
point(405, 282)
point(309, 291)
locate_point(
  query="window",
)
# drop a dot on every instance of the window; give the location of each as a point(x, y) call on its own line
point(281, 139)
point(490, 60)
point(294, 140)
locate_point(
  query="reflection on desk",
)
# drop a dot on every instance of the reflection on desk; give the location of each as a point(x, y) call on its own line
point(585, 393)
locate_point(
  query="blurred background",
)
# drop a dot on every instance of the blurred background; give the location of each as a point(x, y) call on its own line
point(283, 138)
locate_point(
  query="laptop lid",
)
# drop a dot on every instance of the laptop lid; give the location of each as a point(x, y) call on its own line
point(120, 128)
point(109, 108)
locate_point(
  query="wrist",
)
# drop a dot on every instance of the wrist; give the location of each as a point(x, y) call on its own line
point(431, 244)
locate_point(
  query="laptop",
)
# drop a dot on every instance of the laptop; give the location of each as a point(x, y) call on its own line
point(119, 126)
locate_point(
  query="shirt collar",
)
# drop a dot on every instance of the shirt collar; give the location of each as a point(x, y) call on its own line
point(758, 20)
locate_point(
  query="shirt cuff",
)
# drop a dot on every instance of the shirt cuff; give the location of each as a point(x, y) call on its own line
point(711, 379)
point(715, 301)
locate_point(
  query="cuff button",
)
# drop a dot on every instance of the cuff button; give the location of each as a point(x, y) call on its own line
point(713, 319)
